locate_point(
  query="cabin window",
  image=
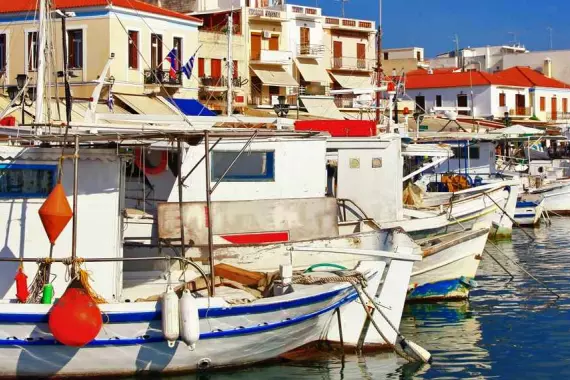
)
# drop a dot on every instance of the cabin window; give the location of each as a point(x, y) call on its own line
point(133, 49)
point(2, 53)
point(32, 51)
point(459, 153)
point(26, 181)
point(250, 166)
point(75, 49)
point(438, 101)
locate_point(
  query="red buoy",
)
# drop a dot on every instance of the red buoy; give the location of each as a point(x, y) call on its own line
point(75, 319)
point(21, 285)
point(55, 213)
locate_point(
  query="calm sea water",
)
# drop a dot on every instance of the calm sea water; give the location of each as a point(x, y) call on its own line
point(509, 329)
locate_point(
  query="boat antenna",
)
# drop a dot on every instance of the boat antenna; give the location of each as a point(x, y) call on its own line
point(42, 49)
point(378, 61)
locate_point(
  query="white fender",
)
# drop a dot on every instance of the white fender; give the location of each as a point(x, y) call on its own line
point(189, 320)
point(170, 316)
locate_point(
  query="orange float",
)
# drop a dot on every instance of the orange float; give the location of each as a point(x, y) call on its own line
point(22, 292)
point(151, 170)
point(55, 213)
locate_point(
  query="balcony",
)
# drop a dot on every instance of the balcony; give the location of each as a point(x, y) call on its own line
point(307, 13)
point(314, 90)
point(310, 51)
point(349, 24)
point(520, 111)
point(272, 57)
point(161, 77)
point(217, 82)
point(266, 14)
point(352, 63)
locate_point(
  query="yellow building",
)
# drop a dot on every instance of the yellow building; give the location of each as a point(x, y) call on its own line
point(137, 35)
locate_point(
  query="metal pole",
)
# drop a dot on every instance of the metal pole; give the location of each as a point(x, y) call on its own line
point(41, 69)
point(378, 66)
point(65, 66)
point(180, 199)
point(199, 162)
point(230, 64)
point(209, 212)
point(75, 191)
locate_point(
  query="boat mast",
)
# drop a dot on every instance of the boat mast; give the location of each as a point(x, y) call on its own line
point(378, 61)
point(42, 50)
point(230, 65)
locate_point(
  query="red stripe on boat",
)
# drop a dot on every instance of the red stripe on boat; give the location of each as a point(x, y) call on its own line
point(257, 238)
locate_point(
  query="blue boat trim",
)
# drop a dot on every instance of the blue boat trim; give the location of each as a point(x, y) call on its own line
point(209, 335)
point(527, 204)
point(442, 289)
point(525, 215)
point(218, 312)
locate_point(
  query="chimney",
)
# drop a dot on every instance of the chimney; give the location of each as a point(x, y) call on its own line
point(547, 68)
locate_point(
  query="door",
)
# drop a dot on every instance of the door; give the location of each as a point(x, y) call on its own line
point(155, 51)
point(256, 47)
point(274, 43)
point(421, 104)
point(520, 104)
point(462, 102)
point(216, 72)
point(305, 38)
point(361, 56)
point(337, 54)
point(553, 111)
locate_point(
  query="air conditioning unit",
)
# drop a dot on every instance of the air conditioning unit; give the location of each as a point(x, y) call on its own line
point(266, 34)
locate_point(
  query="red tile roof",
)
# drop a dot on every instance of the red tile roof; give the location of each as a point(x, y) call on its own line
point(439, 70)
point(515, 76)
point(15, 6)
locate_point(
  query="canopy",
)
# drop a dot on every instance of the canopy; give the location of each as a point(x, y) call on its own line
point(274, 76)
point(146, 105)
point(353, 81)
point(191, 107)
point(312, 71)
point(519, 130)
point(322, 107)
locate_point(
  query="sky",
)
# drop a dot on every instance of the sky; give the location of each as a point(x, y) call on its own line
point(432, 24)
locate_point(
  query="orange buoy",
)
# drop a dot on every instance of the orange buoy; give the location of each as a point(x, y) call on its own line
point(22, 292)
point(75, 319)
point(55, 213)
point(148, 169)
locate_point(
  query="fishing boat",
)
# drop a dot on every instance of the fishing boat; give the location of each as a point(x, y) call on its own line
point(529, 213)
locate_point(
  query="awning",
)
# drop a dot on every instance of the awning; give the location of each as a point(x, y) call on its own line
point(192, 107)
point(274, 76)
point(353, 81)
point(145, 105)
point(322, 107)
point(312, 71)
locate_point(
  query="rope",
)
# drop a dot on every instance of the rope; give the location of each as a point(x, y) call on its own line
point(84, 278)
point(40, 279)
point(344, 276)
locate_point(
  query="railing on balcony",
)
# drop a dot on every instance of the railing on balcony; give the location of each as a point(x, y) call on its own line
point(272, 56)
point(312, 50)
point(520, 111)
point(314, 90)
point(268, 13)
point(162, 77)
point(349, 23)
point(222, 82)
point(344, 100)
point(352, 63)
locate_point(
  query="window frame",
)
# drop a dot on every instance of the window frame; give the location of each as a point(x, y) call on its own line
point(438, 101)
point(178, 43)
point(75, 58)
point(156, 52)
point(502, 99)
point(32, 50)
point(542, 103)
point(12, 166)
point(268, 176)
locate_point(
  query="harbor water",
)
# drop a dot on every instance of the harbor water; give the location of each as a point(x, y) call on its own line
point(509, 329)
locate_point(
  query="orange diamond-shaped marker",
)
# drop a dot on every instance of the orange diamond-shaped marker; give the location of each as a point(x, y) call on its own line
point(55, 213)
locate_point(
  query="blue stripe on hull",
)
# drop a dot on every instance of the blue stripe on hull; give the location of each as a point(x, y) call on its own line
point(448, 289)
point(264, 327)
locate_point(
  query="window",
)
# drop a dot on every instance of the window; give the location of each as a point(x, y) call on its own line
point(156, 57)
point(543, 103)
point(565, 105)
point(250, 166)
point(177, 44)
point(386, 55)
point(201, 68)
point(2, 53)
point(236, 70)
point(216, 68)
point(438, 101)
point(502, 99)
point(75, 49)
point(459, 152)
point(26, 181)
point(33, 51)
point(274, 42)
point(133, 50)
point(419, 56)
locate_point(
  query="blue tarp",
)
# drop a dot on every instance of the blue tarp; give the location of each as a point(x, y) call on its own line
point(192, 107)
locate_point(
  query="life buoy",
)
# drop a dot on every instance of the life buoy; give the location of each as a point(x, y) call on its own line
point(148, 169)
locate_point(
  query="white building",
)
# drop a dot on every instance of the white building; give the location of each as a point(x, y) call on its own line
point(520, 91)
point(486, 58)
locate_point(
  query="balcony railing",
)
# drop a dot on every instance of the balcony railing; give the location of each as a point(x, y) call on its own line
point(352, 63)
point(269, 14)
point(310, 50)
point(275, 57)
point(222, 82)
point(520, 111)
point(314, 91)
point(162, 77)
point(352, 24)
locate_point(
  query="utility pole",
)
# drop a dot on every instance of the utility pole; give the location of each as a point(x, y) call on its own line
point(550, 35)
point(230, 65)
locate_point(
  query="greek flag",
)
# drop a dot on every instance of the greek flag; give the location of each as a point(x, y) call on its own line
point(188, 67)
